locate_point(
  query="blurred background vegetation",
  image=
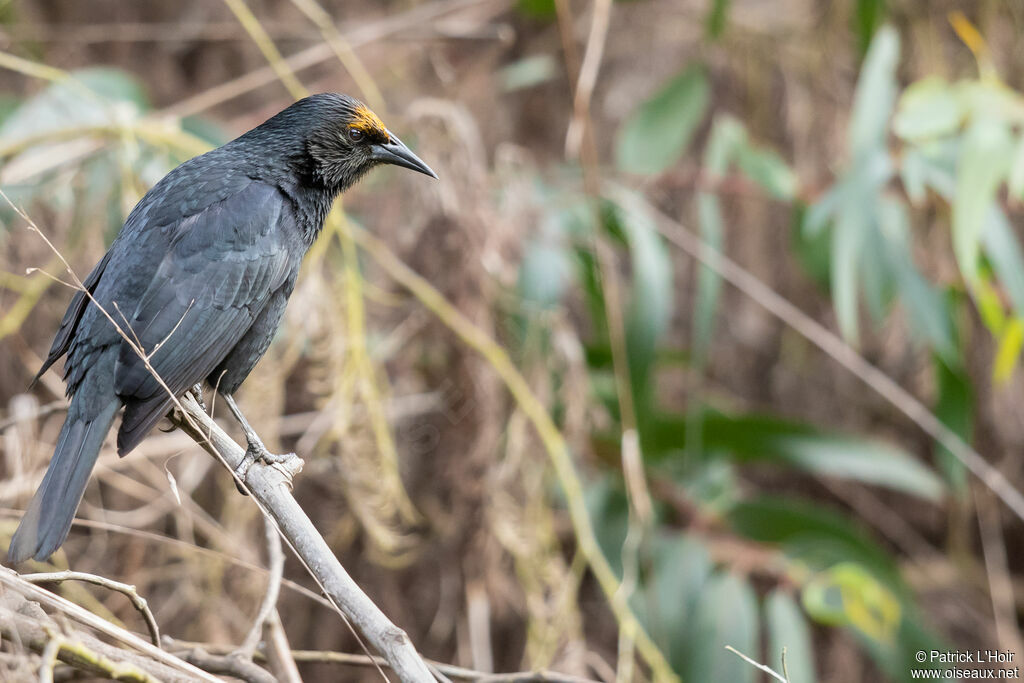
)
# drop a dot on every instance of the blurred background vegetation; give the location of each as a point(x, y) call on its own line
point(537, 431)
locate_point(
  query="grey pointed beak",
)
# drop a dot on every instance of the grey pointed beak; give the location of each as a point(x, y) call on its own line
point(396, 153)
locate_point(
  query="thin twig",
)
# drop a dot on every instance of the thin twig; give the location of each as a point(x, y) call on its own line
point(9, 579)
point(768, 670)
point(276, 561)
point(580, 125)
point(138, 602)
point(225, 665)
point(49, 658)
point(278, 651)
point(347, 659)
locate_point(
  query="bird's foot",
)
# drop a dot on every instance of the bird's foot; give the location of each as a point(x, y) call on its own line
point(197, 393)
point(288, 464)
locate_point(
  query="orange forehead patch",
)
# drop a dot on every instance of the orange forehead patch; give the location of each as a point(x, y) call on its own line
point(365, 120)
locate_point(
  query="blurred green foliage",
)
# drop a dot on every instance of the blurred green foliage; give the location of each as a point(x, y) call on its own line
point(958, 144)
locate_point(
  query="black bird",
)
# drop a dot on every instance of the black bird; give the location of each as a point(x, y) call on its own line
point(199, 275)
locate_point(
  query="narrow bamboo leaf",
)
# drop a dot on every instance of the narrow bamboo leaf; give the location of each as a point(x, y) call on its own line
point(650, 298)
point(867, 17)
point(756, 438)
point(658, 133)
point(1004, 253)
point(726, 615)
point(788, 630)
point(814, 534)
point(847, 241)
point(727, 136)
point(877, 277)
point(822, 212)
point(680, 569)
point(767, 169)
point(984, 163)
point(1010, 343)
point(813, 250)
point(718, 17)
point(955, 407)
point(709, 284)
point(925, 306)
point(1016, 182)
point(876, 93)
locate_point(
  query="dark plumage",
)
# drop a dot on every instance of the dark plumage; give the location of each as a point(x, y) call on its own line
point(203, 267)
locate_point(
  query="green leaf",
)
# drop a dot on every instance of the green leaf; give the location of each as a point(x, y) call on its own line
point(848, 594)
point(867, 17)
point(754, 438)
point(727, 136)
point(787, 629)
point(537, 9)
point(718, 16)
point(925, 306)
point(855, 223)
point(1010, 343)
point(527, 72)
point(680, 570)
point(821, 213)
point(768, 170)
point(650, 298)
point(928, 108)
point(864, 461)
point(876, 93)
point(726, 615)
point(1004, 253)
point(709, 284)
point(813, 533)
point(984, 163)
point(1016, 181)
point(848, 234)
point(813, 249)
point(544, 273)
point(955, 407)
point(658, 133)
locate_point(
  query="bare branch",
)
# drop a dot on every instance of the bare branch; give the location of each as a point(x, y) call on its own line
point(9, 579)
point(268, 485)
point(269, 604)
point(137, 600)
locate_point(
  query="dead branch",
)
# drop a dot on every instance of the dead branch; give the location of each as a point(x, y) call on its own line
point(22, 620)
point(269, 487)
point(138, 602)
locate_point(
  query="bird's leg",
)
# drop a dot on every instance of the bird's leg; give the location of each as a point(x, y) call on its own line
point(197, 393)
point(256, 451)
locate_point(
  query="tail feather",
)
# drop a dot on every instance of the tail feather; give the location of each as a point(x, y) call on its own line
point(48, 518)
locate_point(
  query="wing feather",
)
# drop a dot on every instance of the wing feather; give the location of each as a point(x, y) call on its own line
point(220, 270)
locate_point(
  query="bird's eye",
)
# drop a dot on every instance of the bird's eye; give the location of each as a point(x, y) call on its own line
point(355, 135)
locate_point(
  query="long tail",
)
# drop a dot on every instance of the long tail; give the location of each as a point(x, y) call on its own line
point(48, 519)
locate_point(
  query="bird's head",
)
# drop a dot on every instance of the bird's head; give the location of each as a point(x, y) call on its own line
point(344, 139)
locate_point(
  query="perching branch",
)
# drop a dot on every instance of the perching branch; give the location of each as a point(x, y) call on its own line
point(268, 486)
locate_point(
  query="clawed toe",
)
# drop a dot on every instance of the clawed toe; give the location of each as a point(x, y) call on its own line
point(288, 463)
